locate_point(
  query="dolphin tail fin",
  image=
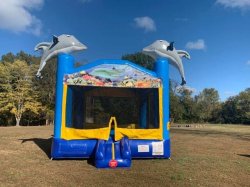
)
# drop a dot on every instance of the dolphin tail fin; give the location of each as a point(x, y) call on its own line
point(42, 46)
point(183, 82)
point(42, 64)
point(182, 53)
point(39, 75)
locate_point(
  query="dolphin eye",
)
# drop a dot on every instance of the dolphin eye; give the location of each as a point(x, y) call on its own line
point(68, 35)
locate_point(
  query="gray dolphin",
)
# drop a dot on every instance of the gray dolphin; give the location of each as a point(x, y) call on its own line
point(162, 48)
point(61, 44)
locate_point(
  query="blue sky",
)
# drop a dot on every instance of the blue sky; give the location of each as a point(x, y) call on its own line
point(216, 33)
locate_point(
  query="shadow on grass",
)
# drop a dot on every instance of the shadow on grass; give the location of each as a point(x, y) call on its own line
point(91, 162)
point(245, 155)
point(241, 136)
point(43, 144)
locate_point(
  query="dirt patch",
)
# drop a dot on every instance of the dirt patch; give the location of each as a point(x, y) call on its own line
point(211, 155)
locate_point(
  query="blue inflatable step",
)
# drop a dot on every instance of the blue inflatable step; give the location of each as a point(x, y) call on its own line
point(110, 154)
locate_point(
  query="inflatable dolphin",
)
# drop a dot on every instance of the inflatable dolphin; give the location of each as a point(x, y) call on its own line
point(61, 44)
point(161, 48)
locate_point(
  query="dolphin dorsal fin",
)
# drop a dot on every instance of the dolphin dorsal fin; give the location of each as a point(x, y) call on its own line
point(170, 47)
point(55, 39)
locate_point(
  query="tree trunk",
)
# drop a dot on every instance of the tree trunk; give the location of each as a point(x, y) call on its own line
point(18, 122)
point(47, 122)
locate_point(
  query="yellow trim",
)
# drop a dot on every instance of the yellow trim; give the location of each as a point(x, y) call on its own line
point(76, 134)
point(150, 134)
point(114, 120)
point(160, 110)
point(65, 92)
point(104, 133)
point(168, 126)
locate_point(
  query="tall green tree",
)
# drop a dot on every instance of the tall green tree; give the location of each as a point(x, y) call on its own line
point(237, 109)
point(9, 57)
point(140, 59)
point(243, 106)
point(17, 94)
point(46, 85)
point(29, 59)
point(176, 109)
point(189, 107)
point(207, 102)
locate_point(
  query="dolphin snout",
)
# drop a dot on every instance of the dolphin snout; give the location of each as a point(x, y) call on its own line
point(147, 49)
point(83, 46)
point(79, 46)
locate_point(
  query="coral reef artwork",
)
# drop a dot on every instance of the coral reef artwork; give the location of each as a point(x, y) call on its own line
point(113, 75)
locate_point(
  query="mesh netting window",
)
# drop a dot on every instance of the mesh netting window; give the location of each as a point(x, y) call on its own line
point(92, 107)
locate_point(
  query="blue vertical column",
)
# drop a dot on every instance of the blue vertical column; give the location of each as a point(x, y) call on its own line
point(65, 64)
point(162, 70)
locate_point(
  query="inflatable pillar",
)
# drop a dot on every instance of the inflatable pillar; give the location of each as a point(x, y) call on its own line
point(65, 64)
point(162, 70)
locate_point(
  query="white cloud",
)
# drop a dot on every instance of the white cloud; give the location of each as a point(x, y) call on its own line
point(248, 63)
point(145, 23)
point(198, 45)
point(242, 4)
point(15, 16)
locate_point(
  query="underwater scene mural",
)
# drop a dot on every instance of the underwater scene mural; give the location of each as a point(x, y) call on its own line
point(113, 75)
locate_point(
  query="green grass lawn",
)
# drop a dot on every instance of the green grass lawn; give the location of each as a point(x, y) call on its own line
point(208, 155)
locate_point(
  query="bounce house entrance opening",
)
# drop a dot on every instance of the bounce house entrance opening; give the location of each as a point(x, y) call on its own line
point(89, 107)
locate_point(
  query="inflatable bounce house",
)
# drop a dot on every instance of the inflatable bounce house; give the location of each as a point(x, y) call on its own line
point(109, 110)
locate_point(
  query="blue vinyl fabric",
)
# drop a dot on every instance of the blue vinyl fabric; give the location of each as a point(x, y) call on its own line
point(94, 148)
point(122, 153)
point(162, 70)
point(100, 150)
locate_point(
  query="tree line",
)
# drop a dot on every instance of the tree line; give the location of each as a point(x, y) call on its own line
point(26, 100)
point(207, 108)
point(204, 107)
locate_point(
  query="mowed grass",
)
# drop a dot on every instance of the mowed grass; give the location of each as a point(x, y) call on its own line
point(210, 155)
